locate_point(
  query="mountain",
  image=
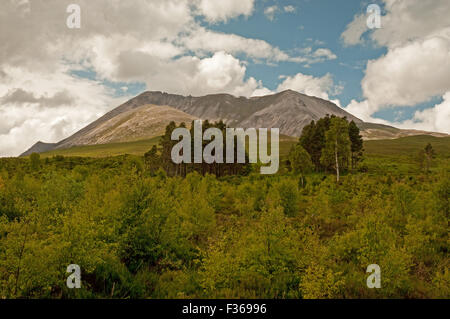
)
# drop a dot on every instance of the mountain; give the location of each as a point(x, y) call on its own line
point(289, 110)
point(146, 116)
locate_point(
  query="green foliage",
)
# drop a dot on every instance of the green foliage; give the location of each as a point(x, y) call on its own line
point(300, 162)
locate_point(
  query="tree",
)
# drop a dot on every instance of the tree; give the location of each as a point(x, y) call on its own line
point(152, 160)
point(300, 162)
point(35, 160)
point(337, 145)
point(356, 143)
point(430, 154)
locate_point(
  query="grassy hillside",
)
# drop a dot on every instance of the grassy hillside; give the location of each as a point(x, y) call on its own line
point(106, 150)
point(406, 146)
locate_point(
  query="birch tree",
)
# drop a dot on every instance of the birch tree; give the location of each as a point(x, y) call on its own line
point(337, 146)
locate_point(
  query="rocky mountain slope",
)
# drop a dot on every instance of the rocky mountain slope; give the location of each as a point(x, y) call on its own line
point(142, 122)
point(289, 110)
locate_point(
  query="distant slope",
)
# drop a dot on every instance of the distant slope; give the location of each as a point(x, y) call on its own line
point(372, 131)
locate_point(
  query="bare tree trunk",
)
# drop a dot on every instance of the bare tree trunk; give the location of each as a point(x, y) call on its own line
point(337, 161)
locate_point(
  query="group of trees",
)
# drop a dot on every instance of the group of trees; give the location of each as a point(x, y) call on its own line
point(331, 143)
point(160, 157)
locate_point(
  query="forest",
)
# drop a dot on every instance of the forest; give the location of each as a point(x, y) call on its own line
point(142, 227)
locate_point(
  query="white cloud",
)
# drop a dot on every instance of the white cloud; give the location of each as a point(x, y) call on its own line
point(409, 74)
point(405, 20)
point(309, 56)
point(261, 92)
point(307, 84)
point(435, 119)
point(270, 12)
point(361, 110)
point(289, 9)
point(410, 20)
point(355, 29)
point(221, 10)
point(204, 41)
point(325, 53)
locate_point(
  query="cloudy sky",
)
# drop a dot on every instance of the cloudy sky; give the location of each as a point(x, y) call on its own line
point(55, 80)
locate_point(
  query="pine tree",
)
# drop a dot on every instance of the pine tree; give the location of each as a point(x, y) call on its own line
point(356, 143)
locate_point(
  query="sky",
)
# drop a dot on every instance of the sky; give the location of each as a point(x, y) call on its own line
point(54, 80)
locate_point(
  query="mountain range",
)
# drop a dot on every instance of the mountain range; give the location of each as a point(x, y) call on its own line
point(147, 115)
